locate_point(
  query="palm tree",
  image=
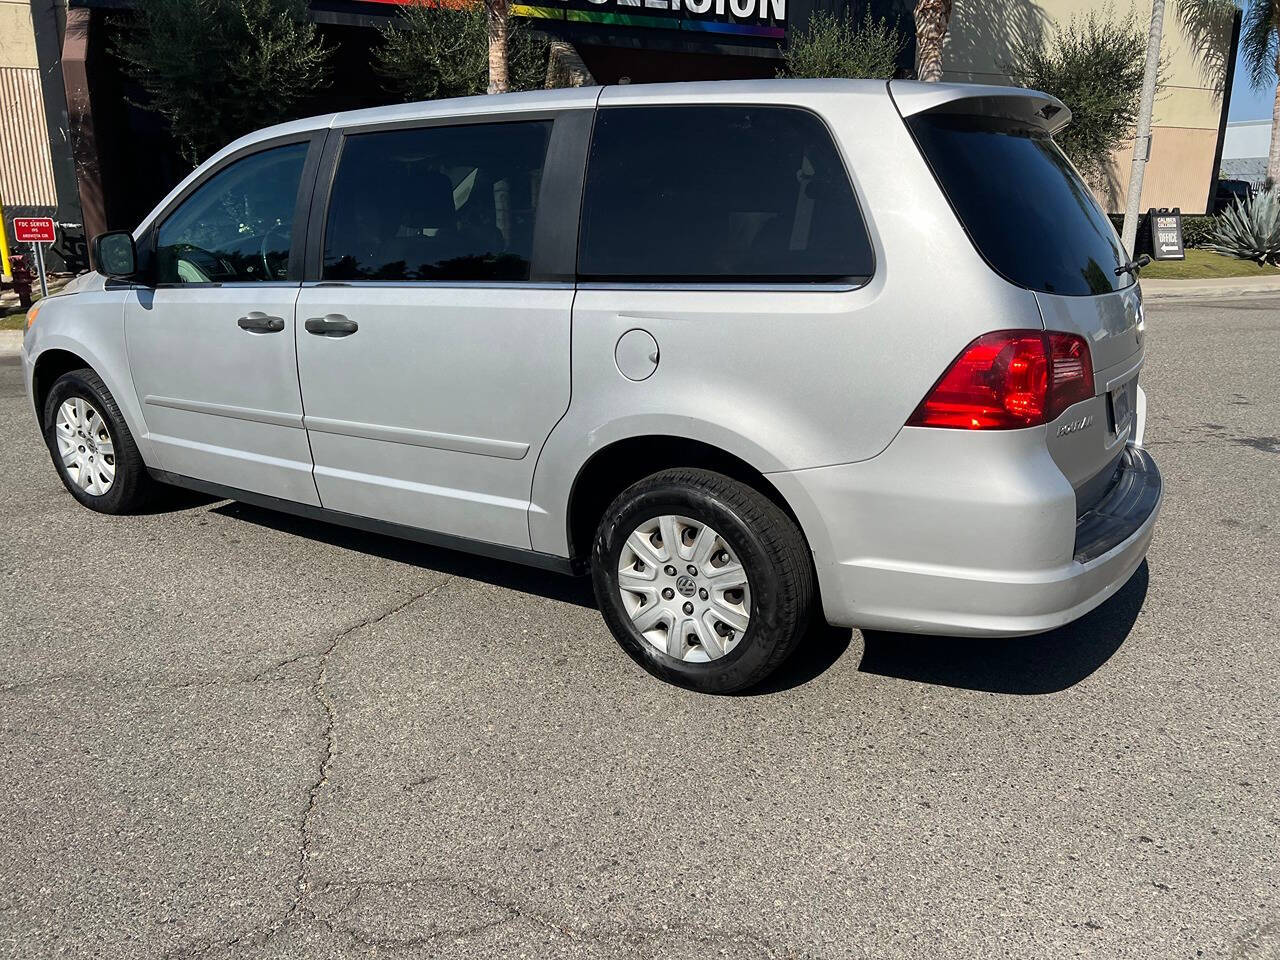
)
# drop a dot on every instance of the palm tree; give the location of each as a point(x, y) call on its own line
point(932, 17)
point(1260, 45)
point(498, 12)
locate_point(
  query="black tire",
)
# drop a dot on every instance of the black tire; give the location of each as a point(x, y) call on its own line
point(131, 485)
point(768, 543)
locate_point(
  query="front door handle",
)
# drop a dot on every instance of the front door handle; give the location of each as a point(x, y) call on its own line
point(257, 322)
point(331, 325)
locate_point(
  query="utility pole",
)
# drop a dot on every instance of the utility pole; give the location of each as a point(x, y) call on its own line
point(1142, 138)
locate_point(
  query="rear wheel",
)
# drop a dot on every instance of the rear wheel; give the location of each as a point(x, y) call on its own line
point(91, 447)
point(702, 579)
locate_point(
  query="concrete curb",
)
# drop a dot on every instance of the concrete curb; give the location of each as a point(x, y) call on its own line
point(1209, 288)
point(10, 342)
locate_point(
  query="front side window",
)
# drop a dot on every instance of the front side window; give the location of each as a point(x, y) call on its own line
point(238, 225)
point(719, 193)
point(452, 203)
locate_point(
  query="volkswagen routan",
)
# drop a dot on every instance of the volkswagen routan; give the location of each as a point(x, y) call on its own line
point(746, 353)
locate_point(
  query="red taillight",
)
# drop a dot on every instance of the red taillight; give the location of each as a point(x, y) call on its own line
point(1009, 379)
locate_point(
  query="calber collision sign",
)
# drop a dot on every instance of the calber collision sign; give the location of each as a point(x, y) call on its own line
point(742, 18)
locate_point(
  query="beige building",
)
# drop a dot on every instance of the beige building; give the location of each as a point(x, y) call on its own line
point(37, 177)
point(1190, 113)
point(26, 166)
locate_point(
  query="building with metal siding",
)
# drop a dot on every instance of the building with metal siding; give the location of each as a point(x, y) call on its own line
point(1245, 151)
point(37, 177)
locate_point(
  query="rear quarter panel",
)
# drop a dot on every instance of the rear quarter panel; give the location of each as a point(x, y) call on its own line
point(787, 380)
point(1083, 440)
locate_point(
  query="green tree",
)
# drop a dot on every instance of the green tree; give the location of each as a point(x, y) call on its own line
point(440, 51)
point(837, 47)
point(218, 69)
point(1094, 65)
point(1260, 44)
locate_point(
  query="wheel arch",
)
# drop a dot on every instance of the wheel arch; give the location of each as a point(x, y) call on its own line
point(613, 468)
point(49, 366)
point(55, 353)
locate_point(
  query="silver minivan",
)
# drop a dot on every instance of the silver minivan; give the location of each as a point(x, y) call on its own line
point(749, 353)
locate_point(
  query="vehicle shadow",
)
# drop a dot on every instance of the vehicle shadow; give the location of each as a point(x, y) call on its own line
point(169, 499)
point(1040, 664)
point(513, 576)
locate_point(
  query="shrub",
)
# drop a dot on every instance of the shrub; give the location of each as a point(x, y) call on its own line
point(218, 69)
point(443, 51)
point(1094, 65)
point(1197, 230)
point(1250, 229)
point(836, 47)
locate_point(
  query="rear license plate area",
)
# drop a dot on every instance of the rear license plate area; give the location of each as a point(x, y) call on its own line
point(1120, 406)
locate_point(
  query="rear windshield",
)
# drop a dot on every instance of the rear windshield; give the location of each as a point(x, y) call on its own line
point(1023, 204)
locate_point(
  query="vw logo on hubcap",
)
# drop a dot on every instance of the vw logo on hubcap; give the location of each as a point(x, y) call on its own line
point(686, 586)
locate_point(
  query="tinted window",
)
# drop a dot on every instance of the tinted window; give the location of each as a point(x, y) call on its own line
point(718, 193)
point(1023, 204)
point(440, 203)
point(237, 225)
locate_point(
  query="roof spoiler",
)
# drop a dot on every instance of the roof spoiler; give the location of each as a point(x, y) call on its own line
point(974, 99)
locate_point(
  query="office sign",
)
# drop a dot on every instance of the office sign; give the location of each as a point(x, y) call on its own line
point(1166, 234)
point(742, 18)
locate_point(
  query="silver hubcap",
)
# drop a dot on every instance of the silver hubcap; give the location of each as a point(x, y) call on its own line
point(85, 445)
point(684, 588)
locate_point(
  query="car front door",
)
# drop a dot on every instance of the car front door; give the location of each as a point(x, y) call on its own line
point(210, 341)
point(433, 343)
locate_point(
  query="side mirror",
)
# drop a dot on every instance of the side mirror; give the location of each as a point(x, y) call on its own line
point(115, 255)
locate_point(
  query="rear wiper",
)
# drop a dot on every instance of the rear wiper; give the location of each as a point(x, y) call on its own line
point(1133, 266)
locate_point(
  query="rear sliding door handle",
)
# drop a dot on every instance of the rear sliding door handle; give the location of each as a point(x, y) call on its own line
point(331, 325)
point(258, 322)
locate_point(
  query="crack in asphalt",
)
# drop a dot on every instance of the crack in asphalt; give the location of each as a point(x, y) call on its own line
point(515, 909)
point(340, 919)
point(302, 882)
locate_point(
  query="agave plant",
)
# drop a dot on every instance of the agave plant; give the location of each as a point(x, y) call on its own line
point(1250, 229)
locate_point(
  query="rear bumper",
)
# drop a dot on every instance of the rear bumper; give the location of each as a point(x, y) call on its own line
point(950, 532)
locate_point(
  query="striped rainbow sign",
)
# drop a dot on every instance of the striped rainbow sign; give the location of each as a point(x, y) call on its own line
point(748, 18)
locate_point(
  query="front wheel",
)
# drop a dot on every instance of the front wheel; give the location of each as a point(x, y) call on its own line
point(91, 447)
point(703, 580)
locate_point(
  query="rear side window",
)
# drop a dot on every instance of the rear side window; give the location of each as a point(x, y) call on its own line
point(451, 203)
point(719, 193)
point(1023, 204)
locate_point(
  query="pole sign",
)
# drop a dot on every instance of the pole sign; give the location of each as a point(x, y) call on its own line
point(1166, 234)
point(33, 230)
point(36, 231)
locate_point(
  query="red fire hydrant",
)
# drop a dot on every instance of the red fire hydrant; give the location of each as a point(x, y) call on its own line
point(23, 278)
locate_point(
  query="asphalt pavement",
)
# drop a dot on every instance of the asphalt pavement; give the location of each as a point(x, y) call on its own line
point(230, 733)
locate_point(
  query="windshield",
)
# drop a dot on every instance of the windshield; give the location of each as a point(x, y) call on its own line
point(1024, 206)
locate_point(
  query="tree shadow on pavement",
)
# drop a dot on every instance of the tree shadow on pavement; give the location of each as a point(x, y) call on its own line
point(501, 573)
point(1044, 663)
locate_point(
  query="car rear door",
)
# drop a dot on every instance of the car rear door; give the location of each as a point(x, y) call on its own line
point(1036, 223)
point(433, 339)
point(211, 340)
